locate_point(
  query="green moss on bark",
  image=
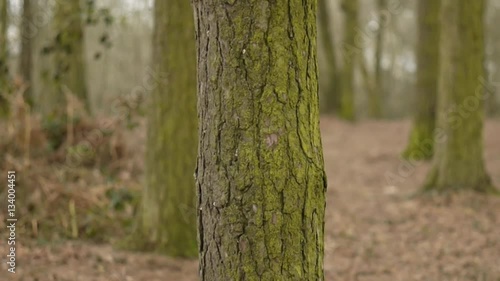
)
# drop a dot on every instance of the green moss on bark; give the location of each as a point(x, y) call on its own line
point(459, 163)
point(420, 145)
point(260, 178)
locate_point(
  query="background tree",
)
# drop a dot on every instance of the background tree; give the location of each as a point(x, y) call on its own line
point(260, 178)
point(69, 73)
point(350, 54)
point(375, 97)
point(493, 55)
point(331, 77)
point(421, 142)
point(459, 163)
point(26, 56)
point(4, 69)
point(168, 208)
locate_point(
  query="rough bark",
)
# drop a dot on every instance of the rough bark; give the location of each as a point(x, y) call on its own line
point(459, 163)
point(4, 69)
point(169, 202)
point(69, 73)
point(26, 56)
point(260, 177)
point(350, 55)
point(421, 140)
point(330, 78)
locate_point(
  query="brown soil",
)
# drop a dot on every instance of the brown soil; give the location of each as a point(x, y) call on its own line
point(376, 231)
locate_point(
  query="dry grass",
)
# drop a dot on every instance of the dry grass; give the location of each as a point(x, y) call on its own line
point(375, 231)
point(73, 162)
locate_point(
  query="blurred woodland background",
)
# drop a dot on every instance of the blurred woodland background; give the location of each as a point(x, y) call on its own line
point(81, 81)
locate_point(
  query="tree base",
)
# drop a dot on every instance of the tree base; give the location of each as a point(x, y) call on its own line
point(420, 147)
point(347, 115)
point(414, 152)
point(482, 186)
point(140, 241)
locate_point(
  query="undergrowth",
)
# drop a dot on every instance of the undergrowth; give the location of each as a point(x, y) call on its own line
point(75, 176)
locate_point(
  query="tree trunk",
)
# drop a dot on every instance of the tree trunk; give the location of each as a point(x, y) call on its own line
point(421, 142)
point(331, 77)
point(369, 81)
point(4, 68)
point(260, 177)
point(3, 40)
point(350, 54)
point(26, 56)
point(169, 202)
point(493, 101)
point(459, 163)
point(375, 98)
point(69, 58)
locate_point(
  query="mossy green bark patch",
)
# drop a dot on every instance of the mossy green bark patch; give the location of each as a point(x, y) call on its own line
point(260, 178)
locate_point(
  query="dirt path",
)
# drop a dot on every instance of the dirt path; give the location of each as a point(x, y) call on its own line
point(375, 232)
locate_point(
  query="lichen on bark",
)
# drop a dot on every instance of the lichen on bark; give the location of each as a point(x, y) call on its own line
point(260, 177)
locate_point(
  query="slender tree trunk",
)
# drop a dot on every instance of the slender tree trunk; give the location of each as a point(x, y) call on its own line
point(350, 55)
point(331, 77)
point(375, 98)
point(169, 202)
point(369, 82)
point(26, 57)
point(69, 58)
point(3, 40)
point(421, 142)
point(260, 177)
point(4, 68)
point(493, 101)
point(459, 163)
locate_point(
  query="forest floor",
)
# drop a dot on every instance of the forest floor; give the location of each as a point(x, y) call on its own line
point(375, 229)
